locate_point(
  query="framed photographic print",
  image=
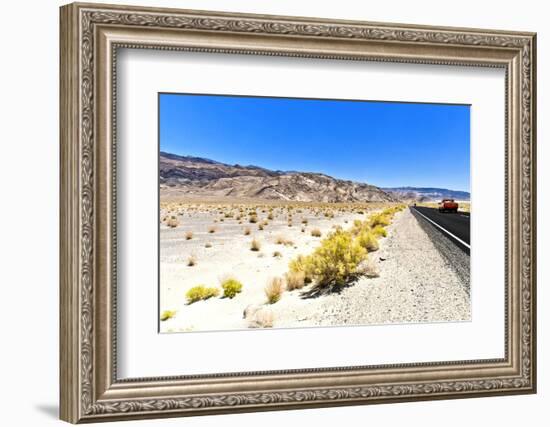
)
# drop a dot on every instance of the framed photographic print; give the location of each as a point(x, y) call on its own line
point(265, 212)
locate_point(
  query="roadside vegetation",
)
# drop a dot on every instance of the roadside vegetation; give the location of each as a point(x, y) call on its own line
point(339, 254)
point(343, 255)
point(274, 289)
point(201, 292)
point(231, 287)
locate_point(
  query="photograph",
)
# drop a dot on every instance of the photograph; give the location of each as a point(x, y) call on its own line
point(297, 212)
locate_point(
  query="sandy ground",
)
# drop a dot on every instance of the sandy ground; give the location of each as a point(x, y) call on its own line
point(230, 254)
point(422, 278)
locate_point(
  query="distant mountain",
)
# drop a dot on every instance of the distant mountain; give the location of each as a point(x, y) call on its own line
point(426, 194)
point(195, 176)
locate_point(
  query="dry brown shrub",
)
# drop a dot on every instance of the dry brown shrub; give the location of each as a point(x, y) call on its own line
point(295, 280)
point(255, 245)
point(274, 289)
point(316, 232)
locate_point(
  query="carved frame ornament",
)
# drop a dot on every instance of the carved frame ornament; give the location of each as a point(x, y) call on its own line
point(90, 37)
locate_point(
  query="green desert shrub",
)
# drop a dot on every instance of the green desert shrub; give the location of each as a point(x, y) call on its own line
point(274, 289)
point(379, 219)
point(335, 262)
point(231, 287)
point(299, 265)
point(200, 292)
point(359, 226)
point(379, 231)
point(368, 240)
point(167, 314)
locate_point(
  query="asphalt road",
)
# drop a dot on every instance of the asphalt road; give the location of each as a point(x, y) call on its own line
point(455, 226)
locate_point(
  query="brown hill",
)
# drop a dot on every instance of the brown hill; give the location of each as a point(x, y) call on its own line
point(203, 177)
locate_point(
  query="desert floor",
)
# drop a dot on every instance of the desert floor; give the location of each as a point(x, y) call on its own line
point(422, 278)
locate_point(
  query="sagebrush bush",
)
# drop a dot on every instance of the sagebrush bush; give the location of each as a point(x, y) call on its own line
point(200, 292)
point(299, 265)
point(246, 231)
point(167, 314)
point(379, 219)
point(368, 240)
point(208, 245)
point(212, 229)
point(335, 262)
point(188, 235)
point(295, 280)
point(231, 287)
point(379, 231)
point(277, 254)
point(253, 219)
point(191, 261)
point(274, 289)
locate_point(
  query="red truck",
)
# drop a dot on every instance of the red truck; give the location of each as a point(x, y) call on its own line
point(448, 205)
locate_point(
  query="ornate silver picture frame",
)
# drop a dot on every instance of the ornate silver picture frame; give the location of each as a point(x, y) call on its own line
point(91, 36)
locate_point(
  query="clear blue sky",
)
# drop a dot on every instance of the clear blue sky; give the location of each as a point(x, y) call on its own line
point(381, 143)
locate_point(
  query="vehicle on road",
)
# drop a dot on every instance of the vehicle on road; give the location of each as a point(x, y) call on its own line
point(448, 205)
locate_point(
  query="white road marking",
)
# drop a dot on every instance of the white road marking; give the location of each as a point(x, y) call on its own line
point(466, 216)
point(446, 231)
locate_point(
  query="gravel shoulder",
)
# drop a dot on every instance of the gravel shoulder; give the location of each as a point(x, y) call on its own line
point(423, 278)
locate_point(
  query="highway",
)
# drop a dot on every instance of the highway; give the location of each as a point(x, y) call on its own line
point(455, 226)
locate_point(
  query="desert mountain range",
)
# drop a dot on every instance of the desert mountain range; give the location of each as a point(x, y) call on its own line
point(200, 177)
point(204, 177)
point(426, 194)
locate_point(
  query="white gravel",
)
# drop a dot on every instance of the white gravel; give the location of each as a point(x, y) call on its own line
point(417, 283)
